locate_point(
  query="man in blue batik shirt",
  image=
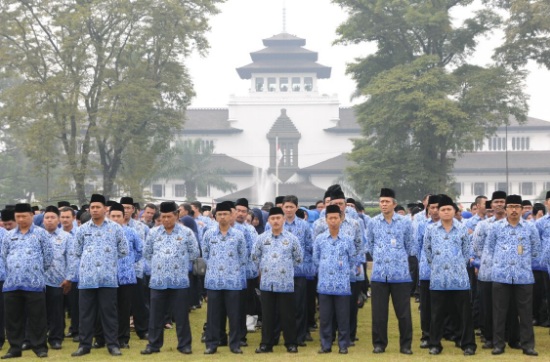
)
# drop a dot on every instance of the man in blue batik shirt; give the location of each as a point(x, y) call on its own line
point(276, 253)
point(334, 254)
point(99, 244)
point(225, 252)
point(26, 253)
point(513, 244)
point(390, 242)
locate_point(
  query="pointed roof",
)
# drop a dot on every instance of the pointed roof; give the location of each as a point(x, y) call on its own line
point(284, 54)
point(283, 128)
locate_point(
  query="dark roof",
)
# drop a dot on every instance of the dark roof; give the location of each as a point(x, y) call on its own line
point(306, 192)
point(347, 123)
point(335, 165)
point(283, 128)
point(208, 120)
point(531, 124)
point(283, 39)
point(495, 162)
point(230, 165)
point(284, 66)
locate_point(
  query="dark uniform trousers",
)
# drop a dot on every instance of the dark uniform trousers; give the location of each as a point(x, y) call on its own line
point(74, 308)
point(220, 304)
point(285, 304)
point(177, 301)
point(540, 297)
point(18, 303)
point(414, 271)
point(400, 295)
point(503, 297)
point(124, 301)
point(311, 300)
point(2, 324)
point(444, 303)
point(353, 309)
point(98, 303)
point(55, 314)
point(242, 314)
point(331, 306)
point(300, 298)
point(140, 308)
point(425, 309)
point(486, 303)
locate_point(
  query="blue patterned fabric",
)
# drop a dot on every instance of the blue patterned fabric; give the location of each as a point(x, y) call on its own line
point(169, 256)
point(543, 227)
point(142, 230)
point(448, 254)
point(126, 266)
point(390, 246)
point(73, 258)
point(275, 257)
point(226, 258)
point(423, 265)
point(99, 248)
point(63, 264)
point(512, 249)
point(483, 261)
point(26, 257)
point(302, 231)
point(333, 258)
point(473, 221)
point(2, 265)
point(250, 236)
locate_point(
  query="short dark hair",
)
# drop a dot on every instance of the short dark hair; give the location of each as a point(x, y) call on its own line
point(151, 206)
point(290, 198)
point(67, 208)
point(197, 204)
point(187, 207)
point(478, 199)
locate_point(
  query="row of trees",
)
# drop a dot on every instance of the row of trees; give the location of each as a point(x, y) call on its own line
point(426, 102)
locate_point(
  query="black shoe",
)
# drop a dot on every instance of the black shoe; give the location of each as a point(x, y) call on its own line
point(144, 336)
point(69, 335)
point(435, 351)
point(223, 343)
point(25, 346)
point(378, 349)
point(42, 354)
point(115, 351)
point(55, 345)
point(11, 355)
point(80, 352)
point(302, 344)
point(264, 349)
point(210, 351)
point(76, 339)
point(530, 352)
point(322, 350)
point(488, 345)
point(236, 350)
point(124, 345)
point(405, 351)
point(186, 350)
point(424, 344)
point(497, 350)
point(343, 350)
point(351, 344)
point(203, 337)
point(98, 345)
point(292, 349)
point(469, 351)
point(243, 344)
point(149, 350)
point(514, 345)
point(309, 338)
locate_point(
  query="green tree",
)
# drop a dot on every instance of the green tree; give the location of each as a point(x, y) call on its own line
point(425, 104)
point(194, 163)
point(99, 74)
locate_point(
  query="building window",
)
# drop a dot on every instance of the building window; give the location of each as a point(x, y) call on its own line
point(158, 190)
point(179, 190)
point(271, 84)
point(259, 84)
point(457, 186)
point(520, 143)
point(288, 154)
point(526, 188)
point(308, 84)
point(478, 145)
point(478, 188)
point(497, 144)
point(203, 190)
point(283, 84)
point(501, 186)
point(296, 84)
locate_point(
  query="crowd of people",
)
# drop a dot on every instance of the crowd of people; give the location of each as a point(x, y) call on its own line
point(114, 266)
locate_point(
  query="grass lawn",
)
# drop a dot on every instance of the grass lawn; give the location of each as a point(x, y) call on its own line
point(361, 352)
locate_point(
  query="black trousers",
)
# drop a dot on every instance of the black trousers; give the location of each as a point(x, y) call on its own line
point(194, 295)
point(285, 304)
point(486, 299)
point(444, 303)
point(311, 300)
point(252, 301)
point(425, 309)
point(353, 310)
point(400, 295)
point(124, 301)
point(218, 301)
point(140, 308)
point(18, 303)
point(74, 306)
point(242, 315)
point(414, 271)
point(98, 303)
point(300, 298)
point(55, 314)
point(540, 296)
point(331, 306)
point(177, 301)
point(522, 294)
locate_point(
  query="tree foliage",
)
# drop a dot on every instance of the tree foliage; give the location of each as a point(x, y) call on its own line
point(425, 103)
point(99, 76)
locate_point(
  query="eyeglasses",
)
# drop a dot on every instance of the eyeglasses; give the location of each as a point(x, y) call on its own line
point(514, 207)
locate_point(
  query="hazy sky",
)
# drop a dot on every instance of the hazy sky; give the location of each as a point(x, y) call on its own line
point(242, 24)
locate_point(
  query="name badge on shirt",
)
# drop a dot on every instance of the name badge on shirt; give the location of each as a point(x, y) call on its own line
point(285, 242)
point(393, 243)
point(267, 242)
point(520, 249)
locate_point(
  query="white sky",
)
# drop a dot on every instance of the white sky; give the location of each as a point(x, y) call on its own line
point(242, 24)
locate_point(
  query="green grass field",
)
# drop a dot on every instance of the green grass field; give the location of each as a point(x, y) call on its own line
point(361, 352)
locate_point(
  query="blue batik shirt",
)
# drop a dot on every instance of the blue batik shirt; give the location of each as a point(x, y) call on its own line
point(543, 227)
point(250, 236)
point(276, 256)
point(473, 221)
point(226, 259)
point(423, 265)
point(333, 258)
point(390, 246)
point(142, 230)
point(483, 261)
point(512, 249)
point(126, 265)
point(448, 254)
point(169, 255)
point(99, 247)
point(2, 266)
point(26, 257)
point(62, 267)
